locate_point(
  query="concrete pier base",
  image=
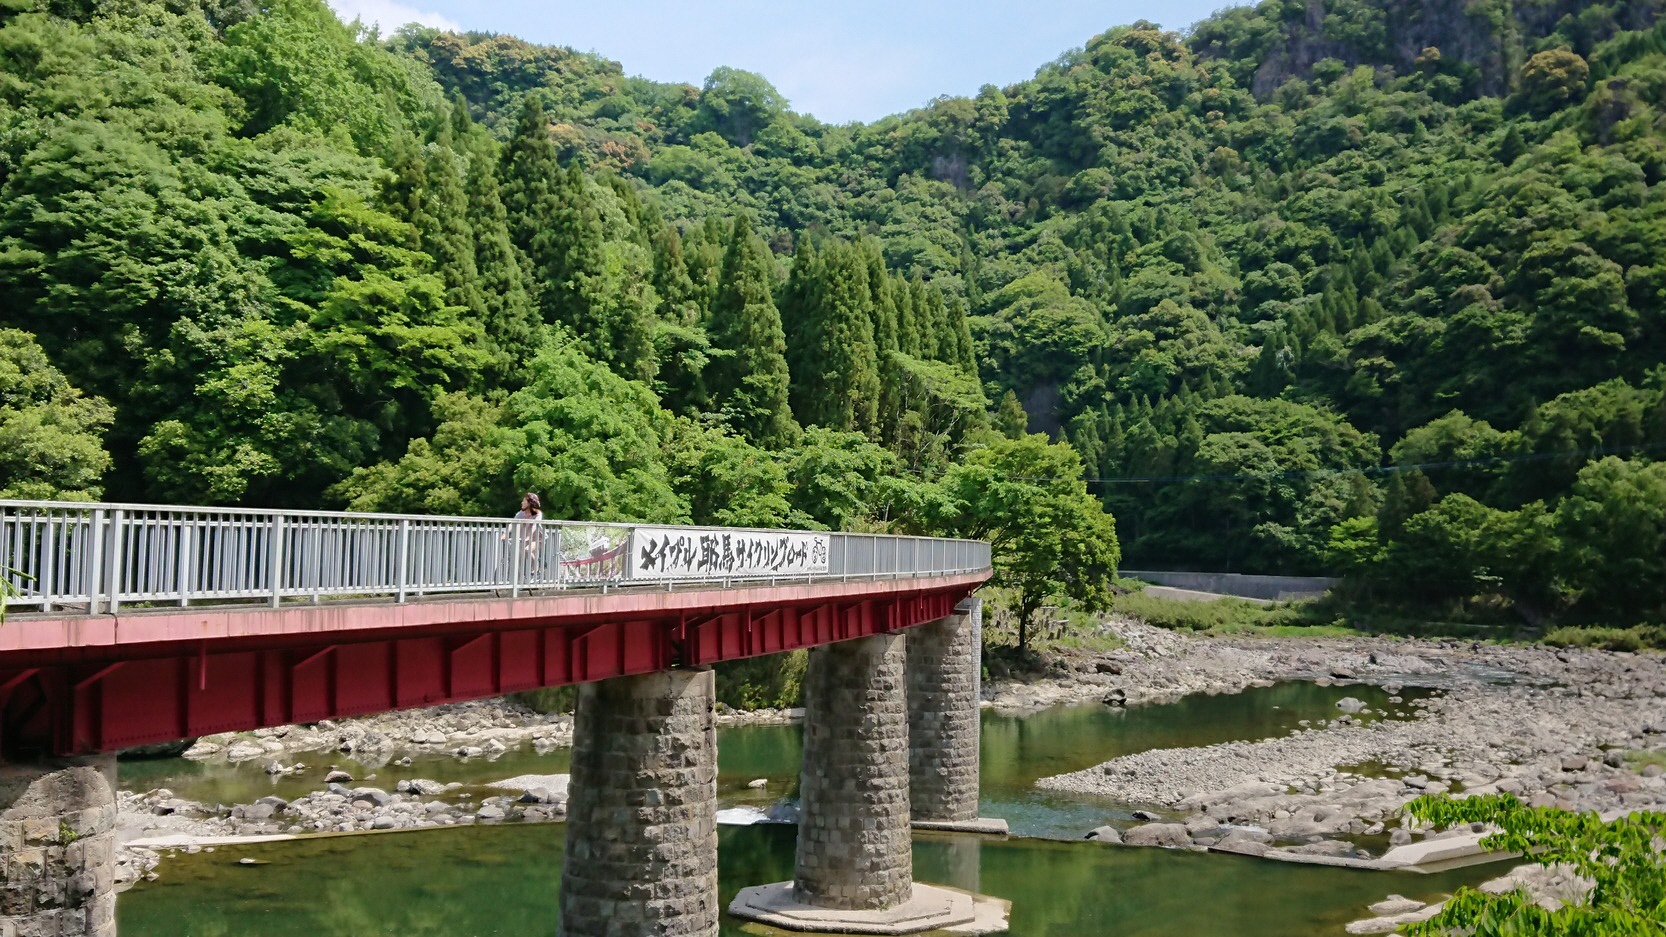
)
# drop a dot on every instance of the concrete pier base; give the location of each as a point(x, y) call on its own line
point(983, 826)
point(641, 854)
point(944, 719)
point(57, 848)
point(930, 908)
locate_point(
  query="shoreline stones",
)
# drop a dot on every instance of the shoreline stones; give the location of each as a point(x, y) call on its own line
point(416, 803)
point(1550, 727)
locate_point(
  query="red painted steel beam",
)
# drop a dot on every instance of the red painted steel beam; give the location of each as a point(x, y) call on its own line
point(37, 638)
point(108, 694)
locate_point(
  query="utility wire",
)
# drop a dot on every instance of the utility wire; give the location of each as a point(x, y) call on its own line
point(1373, 470)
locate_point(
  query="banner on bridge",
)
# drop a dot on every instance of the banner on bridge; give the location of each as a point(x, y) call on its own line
point(691, 553)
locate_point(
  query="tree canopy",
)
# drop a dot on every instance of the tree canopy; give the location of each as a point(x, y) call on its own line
point(1377, 291)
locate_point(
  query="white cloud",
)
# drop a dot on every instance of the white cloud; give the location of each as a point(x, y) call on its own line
point(390, 14)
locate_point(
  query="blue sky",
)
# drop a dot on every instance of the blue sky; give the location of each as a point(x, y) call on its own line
point(841, 61)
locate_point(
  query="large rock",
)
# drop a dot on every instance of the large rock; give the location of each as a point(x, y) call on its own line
point(245, 749)
point(255, 812)
point(1170, 835)
point(1396, 904)
point(375, 797)
point(1104, 834)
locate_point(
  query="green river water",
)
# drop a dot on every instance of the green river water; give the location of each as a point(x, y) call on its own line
point(500, 881)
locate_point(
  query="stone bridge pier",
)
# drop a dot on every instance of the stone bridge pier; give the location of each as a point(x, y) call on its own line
point(641, 852)
point(57, 848)
point(945, 659)
point(854, 863)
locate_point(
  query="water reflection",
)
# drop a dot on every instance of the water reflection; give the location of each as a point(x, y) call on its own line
point(502, 882)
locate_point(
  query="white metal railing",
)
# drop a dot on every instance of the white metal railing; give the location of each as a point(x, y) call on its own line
point(92, 558)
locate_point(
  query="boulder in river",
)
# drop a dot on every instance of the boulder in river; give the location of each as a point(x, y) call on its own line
point(1104, 834)
point(1350, 705)
point(1396, 904)
point(1171, 835)
point(243, 750)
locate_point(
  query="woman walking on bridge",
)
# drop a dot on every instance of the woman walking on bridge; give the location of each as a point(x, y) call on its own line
point(529, 534)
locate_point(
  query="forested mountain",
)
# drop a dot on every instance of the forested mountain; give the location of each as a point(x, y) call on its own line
point(1372, 286)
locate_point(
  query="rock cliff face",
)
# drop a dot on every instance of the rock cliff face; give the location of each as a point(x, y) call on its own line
point(1481, 43)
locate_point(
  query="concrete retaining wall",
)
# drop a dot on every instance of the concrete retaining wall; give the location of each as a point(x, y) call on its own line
point(1250, 587)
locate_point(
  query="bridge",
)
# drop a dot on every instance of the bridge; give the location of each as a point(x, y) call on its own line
point(135, 624)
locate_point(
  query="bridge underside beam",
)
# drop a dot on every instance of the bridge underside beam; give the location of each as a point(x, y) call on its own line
point(99, 705)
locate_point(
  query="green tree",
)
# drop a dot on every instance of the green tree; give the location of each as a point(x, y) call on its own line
point(748, 377)
point(835, 365)
point(1553, 79)
point(1613, 523)
point(837, 477)
point(51, 435)
point(588, 441)
point(1011, 418)
point(726, 481)
point(601, 291)
point(738, 104)
point(1050, 537)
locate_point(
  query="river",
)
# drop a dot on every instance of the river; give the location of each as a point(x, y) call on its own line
point(498, 881)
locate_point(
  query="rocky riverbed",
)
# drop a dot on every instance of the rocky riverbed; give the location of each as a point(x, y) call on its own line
point(388, 794)
point(1571, 729)
point(1550, 726)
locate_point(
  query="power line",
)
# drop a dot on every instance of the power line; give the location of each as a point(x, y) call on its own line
point(1586, 454)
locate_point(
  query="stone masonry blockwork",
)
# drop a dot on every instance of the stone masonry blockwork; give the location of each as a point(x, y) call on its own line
point(854, 846)
point(641, 854)
point(57, 849)
point(943, 662)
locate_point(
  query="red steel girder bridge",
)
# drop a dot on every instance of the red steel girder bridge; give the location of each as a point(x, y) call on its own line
point(138, 624)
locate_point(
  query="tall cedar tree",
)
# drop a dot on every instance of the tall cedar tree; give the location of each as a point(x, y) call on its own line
point(513, 328)
point(747, 377)
point(557, 226)
point(835, 364)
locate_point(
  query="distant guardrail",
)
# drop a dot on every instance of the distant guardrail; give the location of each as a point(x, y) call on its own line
point(1277, 588)
point(98, 557)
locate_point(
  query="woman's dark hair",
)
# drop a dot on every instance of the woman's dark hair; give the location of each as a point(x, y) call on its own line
point(532, 502)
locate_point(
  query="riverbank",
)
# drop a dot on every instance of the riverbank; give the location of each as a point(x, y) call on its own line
point(357, 775)
point(1551, 726)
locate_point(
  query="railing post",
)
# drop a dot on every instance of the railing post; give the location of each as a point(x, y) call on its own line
point(404, 556)
point(515, 561)
point(187, 558)
point(48, 562)
point(276, 555)
point(113, 560)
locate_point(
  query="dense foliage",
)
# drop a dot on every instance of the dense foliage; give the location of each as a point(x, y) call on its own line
point(1620, 859)
point(1370, 286)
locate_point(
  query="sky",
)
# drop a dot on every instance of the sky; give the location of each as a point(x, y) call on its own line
point(842, 60)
